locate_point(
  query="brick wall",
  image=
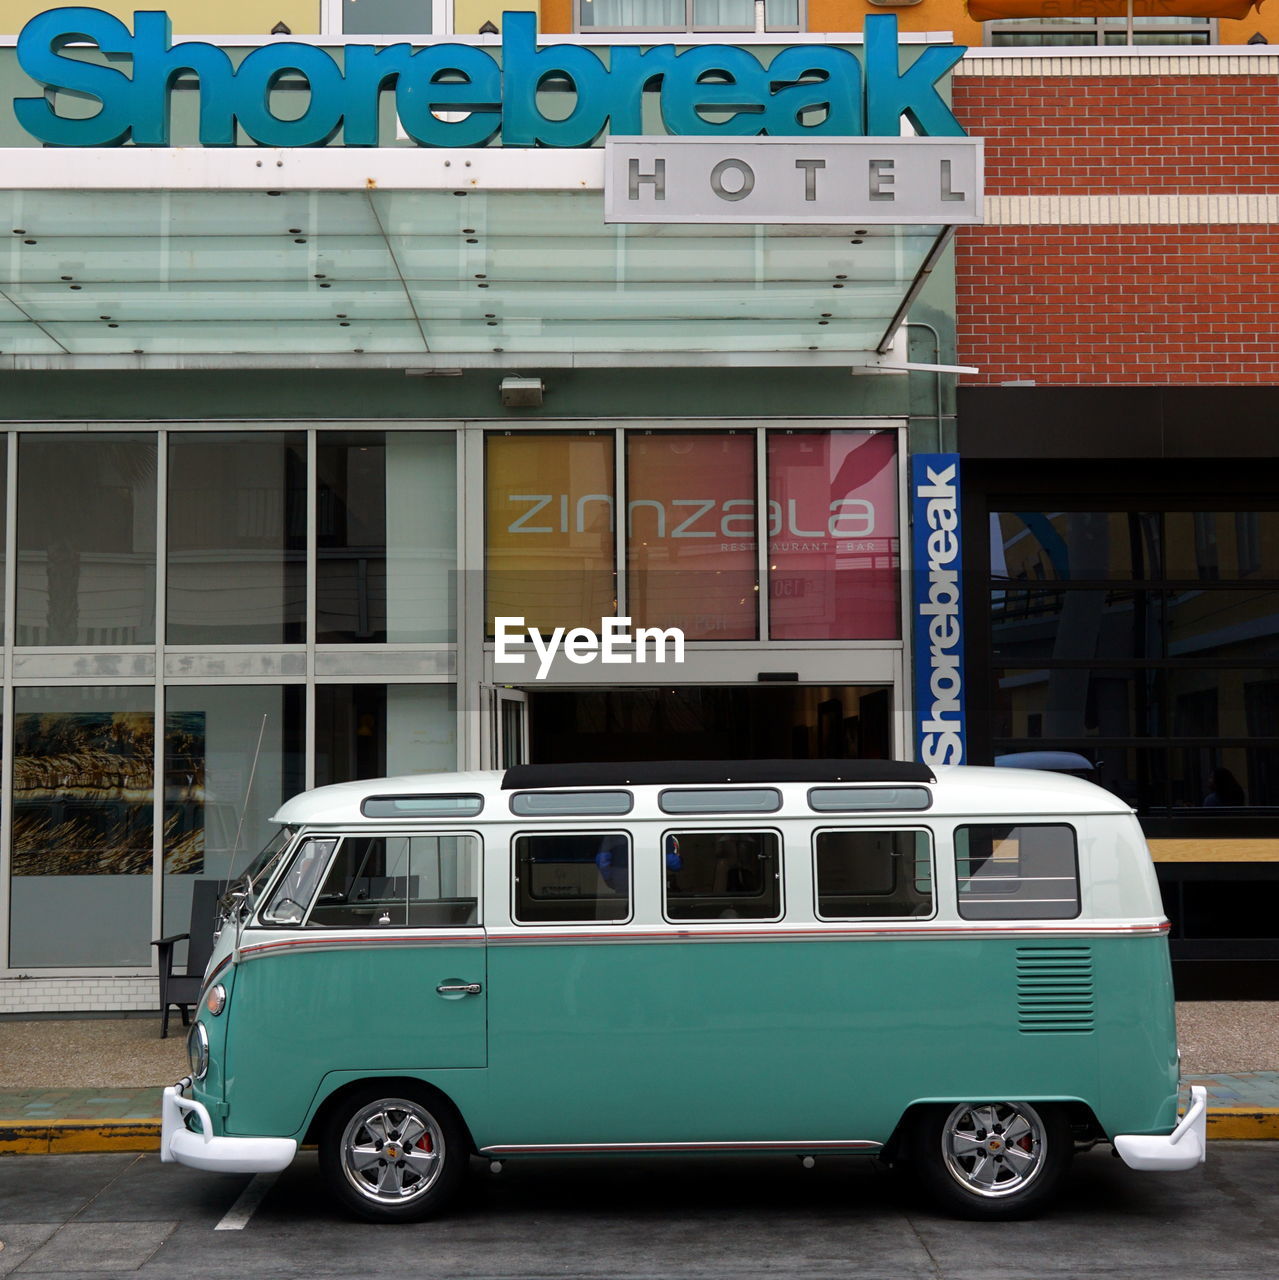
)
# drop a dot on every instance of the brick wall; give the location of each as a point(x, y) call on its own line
point(69, 995)
point(1105, 133)
point(1091, 305)
point(1148, 252)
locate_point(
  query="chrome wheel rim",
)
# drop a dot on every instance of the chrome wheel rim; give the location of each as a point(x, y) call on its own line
point(392, 1151)
point(994, 1149)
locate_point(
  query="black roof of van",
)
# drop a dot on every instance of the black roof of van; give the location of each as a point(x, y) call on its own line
point(683, 772)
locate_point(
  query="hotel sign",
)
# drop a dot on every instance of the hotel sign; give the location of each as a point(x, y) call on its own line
point(780, 180)
point(288, 94)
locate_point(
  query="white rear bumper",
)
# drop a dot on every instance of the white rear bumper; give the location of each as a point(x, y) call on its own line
point(218, 1155)
point(1182, 1149)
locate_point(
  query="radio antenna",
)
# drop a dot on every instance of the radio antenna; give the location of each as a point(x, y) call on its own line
point(244, 804)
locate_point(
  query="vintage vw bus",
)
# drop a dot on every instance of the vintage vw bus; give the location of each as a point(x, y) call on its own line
point(965, 972)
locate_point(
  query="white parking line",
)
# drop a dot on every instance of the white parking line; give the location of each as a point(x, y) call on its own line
point(237, 1216)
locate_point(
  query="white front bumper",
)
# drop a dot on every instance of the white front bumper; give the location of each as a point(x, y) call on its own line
point(218, 1155)
point(1182, 1149)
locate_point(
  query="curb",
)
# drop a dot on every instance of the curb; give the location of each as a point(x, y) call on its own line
point(1243, 1122)
point(67, 1137)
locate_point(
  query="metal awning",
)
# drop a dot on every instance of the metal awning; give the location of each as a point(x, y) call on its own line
point(415, 261)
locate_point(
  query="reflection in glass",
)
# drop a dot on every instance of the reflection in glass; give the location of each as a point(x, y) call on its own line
point(1057, 546)
point(691, 557)
point(237, 538)
point(83, 796)
point(384, 730)
point(1031, 624)
point(86, 539)
point(549, 542)
point(386, 17)
point(1077, 702)
point(386, 536)
point(644, 15)
point(232, 755)
point(1213, 545)
point(833, 553)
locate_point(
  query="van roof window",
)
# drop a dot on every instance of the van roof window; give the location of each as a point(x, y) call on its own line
point(854, 799)
point(565, 804)
point(721, 800)
point(464, 806)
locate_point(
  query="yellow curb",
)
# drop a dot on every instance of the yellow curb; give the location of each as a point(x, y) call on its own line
point(41, 1137)
point(1243, 1122)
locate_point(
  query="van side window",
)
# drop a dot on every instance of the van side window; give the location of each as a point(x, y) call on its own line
point(572, 877)
point(1022, 871)
point(399, 881)
point(723, 875)
point(873, 873)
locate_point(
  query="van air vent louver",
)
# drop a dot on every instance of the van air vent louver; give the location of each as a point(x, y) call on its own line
point(1054, 990)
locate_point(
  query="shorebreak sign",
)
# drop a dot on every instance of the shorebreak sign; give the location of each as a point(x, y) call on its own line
point(456, 95)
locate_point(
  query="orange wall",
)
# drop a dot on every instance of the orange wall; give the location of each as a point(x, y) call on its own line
point(928, 15)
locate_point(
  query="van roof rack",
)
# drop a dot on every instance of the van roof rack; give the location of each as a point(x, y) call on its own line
point(675, 772)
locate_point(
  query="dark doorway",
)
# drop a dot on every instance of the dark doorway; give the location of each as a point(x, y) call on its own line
point(711, 722)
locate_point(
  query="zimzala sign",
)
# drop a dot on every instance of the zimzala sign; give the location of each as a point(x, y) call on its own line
point(481, 93)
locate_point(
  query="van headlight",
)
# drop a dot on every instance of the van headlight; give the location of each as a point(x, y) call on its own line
point(198, 1050)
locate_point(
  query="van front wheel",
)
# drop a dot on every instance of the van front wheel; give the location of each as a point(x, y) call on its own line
point(992, 1160)
point(390, 1158)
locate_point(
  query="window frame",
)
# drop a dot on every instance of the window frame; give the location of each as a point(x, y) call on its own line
point(331, 23)
point(801, 24)
point(1098, 28)
point(932, 873)
point(514, 882)
point(776, 832)
point(339, 838)
point(1015, 824)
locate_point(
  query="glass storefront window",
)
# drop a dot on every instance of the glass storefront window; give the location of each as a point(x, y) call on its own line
point(86, 539)
point(1078, 702)
point(1208, 546)
point(691, 553)
point(237, 538)
point(550, 529)
point(83, 798)
point(833, 554)
point(383, 730)
point(1072, 546)
point(232, 754)
point(386, 537)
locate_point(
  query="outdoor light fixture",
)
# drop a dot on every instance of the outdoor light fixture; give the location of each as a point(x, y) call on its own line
point(522, 393)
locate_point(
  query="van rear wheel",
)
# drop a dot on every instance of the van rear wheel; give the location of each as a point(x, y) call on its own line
point(392, 1158)
point(991, 1161)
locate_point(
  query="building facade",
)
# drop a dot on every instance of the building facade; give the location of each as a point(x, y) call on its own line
point(289, 432)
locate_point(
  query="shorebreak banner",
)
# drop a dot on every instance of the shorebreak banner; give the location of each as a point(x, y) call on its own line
point(937, 608)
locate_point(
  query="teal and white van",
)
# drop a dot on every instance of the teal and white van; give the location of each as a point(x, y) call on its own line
point(966, 973)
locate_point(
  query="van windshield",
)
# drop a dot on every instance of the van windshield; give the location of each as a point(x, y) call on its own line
point(257, 874)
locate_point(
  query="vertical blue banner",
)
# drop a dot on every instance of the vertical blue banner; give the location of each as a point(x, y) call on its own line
point(937, 608)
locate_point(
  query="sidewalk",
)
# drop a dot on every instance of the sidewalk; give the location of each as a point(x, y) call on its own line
point(95, 1084)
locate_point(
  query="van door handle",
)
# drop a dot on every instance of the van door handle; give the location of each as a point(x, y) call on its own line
point(465, 988)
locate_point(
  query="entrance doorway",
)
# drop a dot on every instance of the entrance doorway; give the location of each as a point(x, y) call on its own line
point(710, 722)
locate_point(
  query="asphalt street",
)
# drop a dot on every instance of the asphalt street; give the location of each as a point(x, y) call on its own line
point(129, 1215)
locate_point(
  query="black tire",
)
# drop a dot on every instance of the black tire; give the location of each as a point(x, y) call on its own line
point(393, 1154)
point(991, 1161)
